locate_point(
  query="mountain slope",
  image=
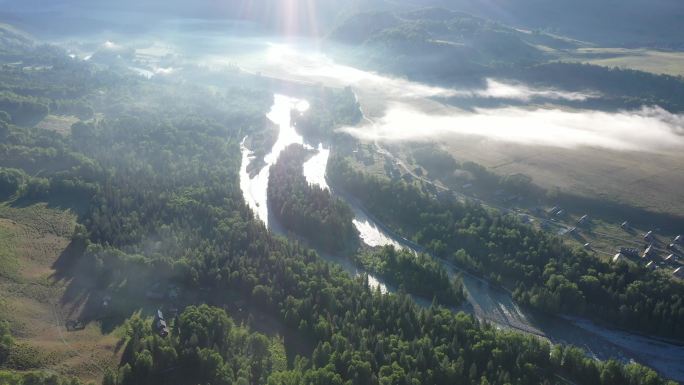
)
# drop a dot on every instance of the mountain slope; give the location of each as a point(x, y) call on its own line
point(439, 43)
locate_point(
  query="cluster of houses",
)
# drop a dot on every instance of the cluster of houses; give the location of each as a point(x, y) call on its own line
point(650, 254)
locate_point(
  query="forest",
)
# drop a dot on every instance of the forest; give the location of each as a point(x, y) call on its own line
point(154, 182)
point(261, 142)
point(330, 109)
point(417, 274)
point(544, 273)
point(416, 44)
point(206, 347)
point(308, 210)
point(619, 88)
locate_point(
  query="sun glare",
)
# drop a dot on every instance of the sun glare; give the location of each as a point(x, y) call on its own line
point(290, 16)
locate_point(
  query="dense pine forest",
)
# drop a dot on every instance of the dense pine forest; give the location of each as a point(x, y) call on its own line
point(308, 210)
point(330, 109)
point(544, 273)
point(417, 274)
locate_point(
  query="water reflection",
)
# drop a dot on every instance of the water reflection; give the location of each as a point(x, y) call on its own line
point(254, 189)
point(314, 168)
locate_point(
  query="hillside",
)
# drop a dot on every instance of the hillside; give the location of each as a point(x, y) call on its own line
point(456, 49)
point(631, 23)
point(434, 43)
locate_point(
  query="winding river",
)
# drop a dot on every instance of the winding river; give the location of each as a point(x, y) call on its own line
point(487, 303)
point(254, 189)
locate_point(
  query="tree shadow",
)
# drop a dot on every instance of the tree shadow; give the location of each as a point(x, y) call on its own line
point(120, 344)
point(261, 319)
point(81, 296)
point(94, 294)
point(68, 259)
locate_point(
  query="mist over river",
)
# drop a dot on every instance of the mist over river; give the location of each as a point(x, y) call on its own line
point(404, 110)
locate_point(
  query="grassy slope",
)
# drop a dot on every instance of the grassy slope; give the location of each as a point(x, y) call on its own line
point(32, 239)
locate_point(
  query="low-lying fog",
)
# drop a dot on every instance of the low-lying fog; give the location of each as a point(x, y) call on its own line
point(648, 129)
point(282, 60)
point(399, 104)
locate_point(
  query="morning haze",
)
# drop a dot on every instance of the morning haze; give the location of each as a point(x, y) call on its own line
point(323, 192)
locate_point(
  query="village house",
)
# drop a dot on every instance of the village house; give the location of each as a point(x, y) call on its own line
point(679, 273)
point(160, 324)
point(583, 220)
point(619, 257)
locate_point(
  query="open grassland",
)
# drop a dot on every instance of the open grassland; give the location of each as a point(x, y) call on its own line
point(658, 62)
point(648, 181)
point(32, 239)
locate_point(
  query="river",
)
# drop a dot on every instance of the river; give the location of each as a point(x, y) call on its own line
point(254, 189)
point(487, 303)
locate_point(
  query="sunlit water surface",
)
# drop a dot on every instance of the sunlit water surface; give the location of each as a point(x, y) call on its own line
point(254, 189)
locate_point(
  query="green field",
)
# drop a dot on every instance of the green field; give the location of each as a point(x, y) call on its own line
point(32, 241)
point(647, 181)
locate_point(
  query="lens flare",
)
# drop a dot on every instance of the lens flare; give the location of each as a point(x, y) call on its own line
point(289, 17)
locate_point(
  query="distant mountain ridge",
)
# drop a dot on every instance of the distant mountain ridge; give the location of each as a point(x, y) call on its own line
point(625, 23)
point(440, 25)
point(441, 43)
point(630, 23)
point(12, 39)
